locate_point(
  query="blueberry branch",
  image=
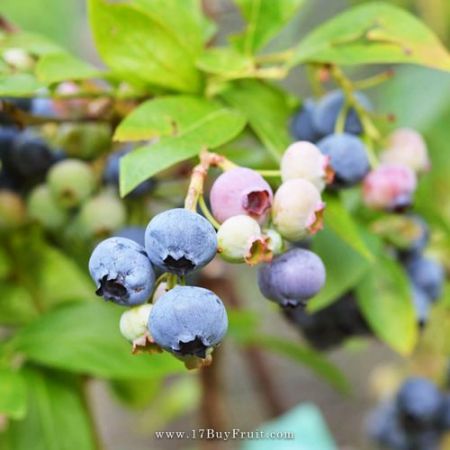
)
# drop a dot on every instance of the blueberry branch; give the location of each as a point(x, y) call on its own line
point(207, 213)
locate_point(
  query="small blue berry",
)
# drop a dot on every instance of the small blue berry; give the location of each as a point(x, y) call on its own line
point(188, 320)
point(422, 304)
point(348, 158)
point(427, 274)
point(327, 111)
point(419, 403)
point(122, 271)
point(302, 125)
point(180, 241)
point(292, 278)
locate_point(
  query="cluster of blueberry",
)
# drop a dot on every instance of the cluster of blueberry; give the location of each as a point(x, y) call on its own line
point(389, 187)
point(252, 223)
point(415, 419)
point(62, 190)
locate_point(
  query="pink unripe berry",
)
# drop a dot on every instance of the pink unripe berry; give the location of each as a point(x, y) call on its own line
point(304, 160)
point(240, 191)
point(407, 147)
point(297, 209)
point(389, 187)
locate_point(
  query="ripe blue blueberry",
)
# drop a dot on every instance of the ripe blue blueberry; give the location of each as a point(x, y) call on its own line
point(385, 428)
point(327, 111)
point(348, 158)
point(112, 169)
point(419, 403)
point(427, 274)
point(302, 125)
point(30, 156)
point(188, 320)
point(136, 234)
point(180, 241)
point(122, 272)
point(292, 278)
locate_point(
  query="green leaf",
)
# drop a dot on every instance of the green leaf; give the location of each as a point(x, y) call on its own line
point(139, 49)
point(16, 305)
point(338, 219)
point(56, 418)
point(385, 299)
point(84, 337)
point(137, 393)
point(187, 125)
point(19, 85)
point(267, 109)
point(13, 399)
point(5, 264)
point(184, 19)
point(35, 44)
point(372, 33)
point(57, 67)
point(305, 356)
point(344, 267)
point(70, 283)
point(227, 62)
point(265, 19)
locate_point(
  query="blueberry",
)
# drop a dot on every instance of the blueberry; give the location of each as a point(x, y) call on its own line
point(426, 274)
point(292, 278)
point(71, 182)
point(444, 414)
point(136, 234)
point(385, 428)
point(418, 236)
point(112, 169)
point(12, 210)
point(122, 272)
point(331, 325)
point(240, 191)
point(43, 107)
point(327, 111)
point(240, 240)
point(305, 160)
point(43, 208)
point(297, 209)
point(302, 125)
point(102, 215)
point(8, 135)
point(133, 324)
point(30, 157)
point(389, 187)
point(419, 403)
point(188, 321)
point(348, 158)
point(407, 147)
point(180, 241)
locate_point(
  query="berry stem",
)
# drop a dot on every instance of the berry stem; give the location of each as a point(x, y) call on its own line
point(348, 89)
point(207, 213)
point(199, 174)
point(374, 80)
point(270, 173)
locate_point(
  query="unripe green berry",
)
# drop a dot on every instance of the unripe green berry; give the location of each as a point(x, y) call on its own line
point(275, 241)
point(133, 324)
point(12, 210)
point(71, 182)
point(43, 208)
point(297, 209)
point(101, 215)
point(240, 240)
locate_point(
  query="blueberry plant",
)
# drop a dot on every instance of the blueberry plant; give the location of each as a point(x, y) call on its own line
point(181, 155)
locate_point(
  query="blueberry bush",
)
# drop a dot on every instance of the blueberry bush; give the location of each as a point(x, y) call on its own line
point(141, 179)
